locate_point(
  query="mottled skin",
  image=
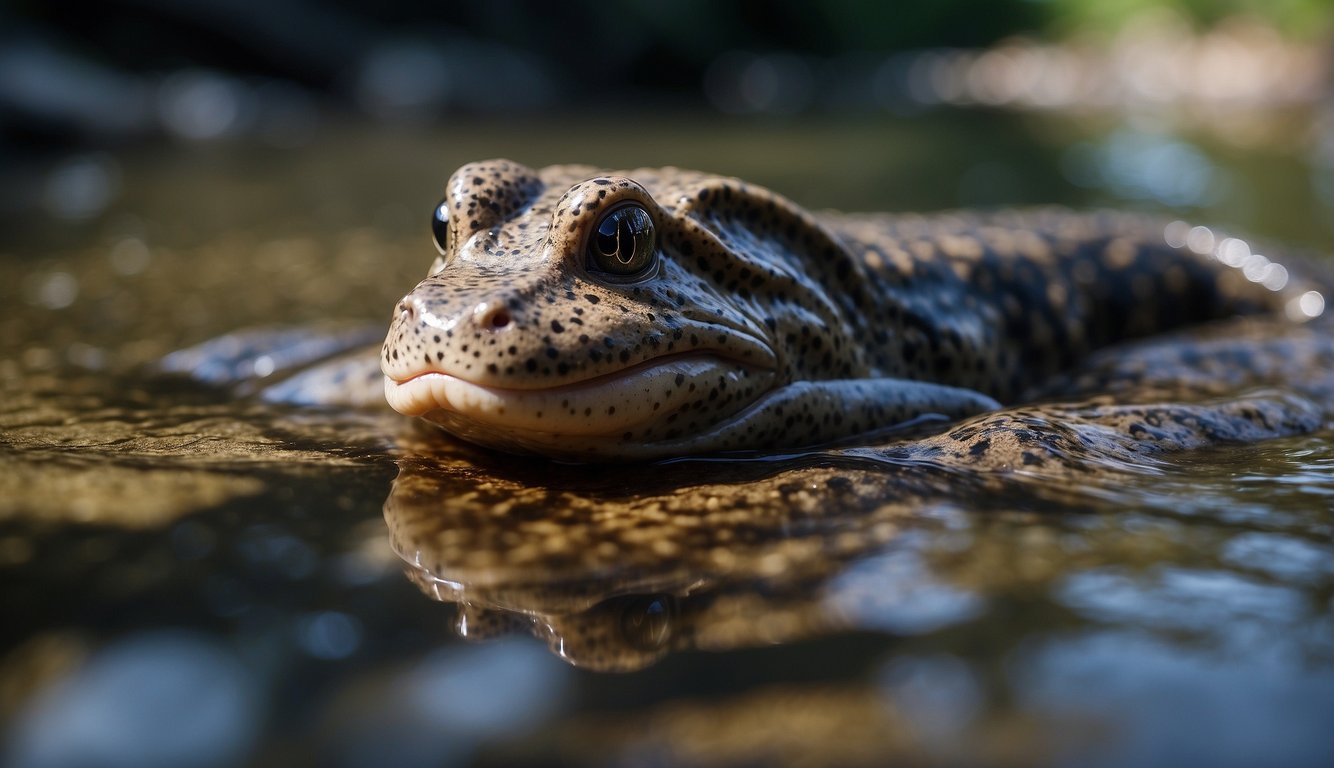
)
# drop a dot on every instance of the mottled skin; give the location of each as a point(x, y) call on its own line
point(761, 326)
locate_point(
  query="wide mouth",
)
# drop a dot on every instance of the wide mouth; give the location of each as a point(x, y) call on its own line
point(610, 404)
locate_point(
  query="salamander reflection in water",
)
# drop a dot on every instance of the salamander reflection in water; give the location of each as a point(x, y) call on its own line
point(595, 315)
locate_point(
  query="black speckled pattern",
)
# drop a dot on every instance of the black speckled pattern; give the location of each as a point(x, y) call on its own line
point(990, 304)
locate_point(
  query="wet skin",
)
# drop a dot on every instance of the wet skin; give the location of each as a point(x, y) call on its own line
point(607, 315)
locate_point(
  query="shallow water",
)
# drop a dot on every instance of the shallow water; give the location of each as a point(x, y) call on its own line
point(194, 580)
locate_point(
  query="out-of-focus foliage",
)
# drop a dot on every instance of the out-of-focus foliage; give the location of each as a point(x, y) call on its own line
point(1304, 19)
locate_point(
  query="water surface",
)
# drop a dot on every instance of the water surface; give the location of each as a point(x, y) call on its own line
point(197, 580)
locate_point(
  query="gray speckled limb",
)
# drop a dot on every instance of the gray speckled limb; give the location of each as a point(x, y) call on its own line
point(328, 364)
point(811, 413)
point(818, 413)
point(1057, 440)
point(257, 353)
point(351, 379)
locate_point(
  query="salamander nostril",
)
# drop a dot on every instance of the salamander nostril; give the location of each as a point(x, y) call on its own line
point(407, 310)
point(496, 319)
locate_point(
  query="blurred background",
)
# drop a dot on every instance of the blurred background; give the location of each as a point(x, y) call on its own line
point(293, 136)
point(171, 170)
point(1155, 99)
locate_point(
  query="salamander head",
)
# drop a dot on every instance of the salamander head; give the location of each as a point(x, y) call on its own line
point(588, 314)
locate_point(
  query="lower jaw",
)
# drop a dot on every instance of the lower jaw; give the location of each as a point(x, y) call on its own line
point(603, 415)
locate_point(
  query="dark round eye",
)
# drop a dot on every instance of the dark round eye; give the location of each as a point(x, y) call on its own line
point(440, 229)
point(622, 243)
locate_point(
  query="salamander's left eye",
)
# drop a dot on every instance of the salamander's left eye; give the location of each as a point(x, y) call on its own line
point(622, 243)
point(441, 232)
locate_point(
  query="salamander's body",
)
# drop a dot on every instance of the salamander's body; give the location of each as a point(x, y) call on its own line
point(594, 314)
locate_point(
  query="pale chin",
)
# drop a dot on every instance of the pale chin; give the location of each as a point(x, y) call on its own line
point(604, 407)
